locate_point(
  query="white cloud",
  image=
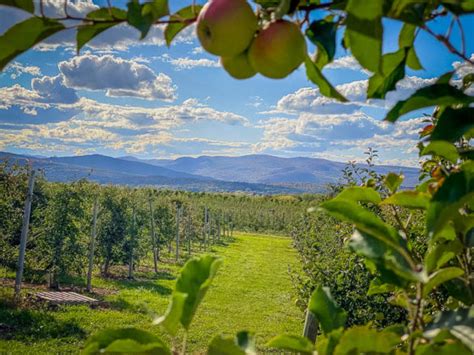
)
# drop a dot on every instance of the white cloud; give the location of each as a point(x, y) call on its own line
point(346, 62)
point(190, 63)
point(117, 76)
point(17, 69)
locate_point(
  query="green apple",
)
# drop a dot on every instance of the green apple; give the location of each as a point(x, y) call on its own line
point(226, 27)
point(238, 66)
point(278, 49)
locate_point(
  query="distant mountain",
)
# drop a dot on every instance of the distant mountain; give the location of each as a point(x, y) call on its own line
point(264, 174)
point(62, 170)
point(269, 169)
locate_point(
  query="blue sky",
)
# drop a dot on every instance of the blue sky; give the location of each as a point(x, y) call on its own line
point(125, 97)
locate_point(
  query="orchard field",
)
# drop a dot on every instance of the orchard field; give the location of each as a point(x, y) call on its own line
point(255, 268)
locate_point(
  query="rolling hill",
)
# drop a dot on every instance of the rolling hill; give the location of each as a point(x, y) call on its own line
point(262, 174)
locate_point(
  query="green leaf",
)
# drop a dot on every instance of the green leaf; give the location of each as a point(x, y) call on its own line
point(457, 189)
point(137, 19)
point(439, 277)
point(156, 8)
point(459, 323)
point(392, 70)
point(172, 317)
point(441, 252)
point(326, 310)
point(327, 342)
point(243, 343)
point(26, 5)
point(24, 35)
point(363, 219)
point(194, 281)
point(406, 39)
point(437, 94)
point(392, 262)
point(364, 32)
point(359, 194)
point(443, 349)
point(376, 287)
point(363, 340)
point(105, 342)
point(316, 77)
point(452, 124)
point(292, 343)
point(443, 149)
point(87, 32)
point(408, 199)
point(322, 33)
point(186, 16)
point(393, 181)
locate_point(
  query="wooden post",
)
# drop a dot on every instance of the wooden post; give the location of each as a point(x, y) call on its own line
point(24, 235)
point(132, 240)
point(92, 244)
point(153, 238)
point(310, 330)
point(178, 213)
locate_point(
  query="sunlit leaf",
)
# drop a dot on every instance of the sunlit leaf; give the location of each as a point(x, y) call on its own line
point(393, 181)
point(406, 40)
point(436, 94)
point(360, 194)
point(391, 71)
point(172, 318)
point(408, 199)
point(439, 277)
point(292, 343)
point(364, 32)
point(363, 340)
point(242, 344)
point(443, 149)
point(123, 340)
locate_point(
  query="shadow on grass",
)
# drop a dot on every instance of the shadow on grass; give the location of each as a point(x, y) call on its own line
point(24, 324)
point(150, 285)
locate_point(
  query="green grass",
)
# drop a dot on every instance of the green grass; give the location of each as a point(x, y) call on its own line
point(252, 291)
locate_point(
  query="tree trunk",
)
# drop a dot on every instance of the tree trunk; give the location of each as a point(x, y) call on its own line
point(178, 213)
point(24, 235)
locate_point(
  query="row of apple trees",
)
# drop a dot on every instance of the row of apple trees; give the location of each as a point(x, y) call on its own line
point(132, 225)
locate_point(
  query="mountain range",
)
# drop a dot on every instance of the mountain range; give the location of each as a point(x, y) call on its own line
point(262, 174)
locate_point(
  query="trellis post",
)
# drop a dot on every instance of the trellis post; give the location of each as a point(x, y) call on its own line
point(24, 234)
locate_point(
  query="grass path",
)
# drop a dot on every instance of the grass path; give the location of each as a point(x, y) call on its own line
point(252, 291)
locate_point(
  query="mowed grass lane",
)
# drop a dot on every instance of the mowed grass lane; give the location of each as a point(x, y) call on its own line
point(252, 291)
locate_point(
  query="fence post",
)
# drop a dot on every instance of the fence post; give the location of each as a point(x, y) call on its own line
point(178, 215)
point(24, 234)
point(310, 330)
point(153, 239)
point(92, 245)
point(132, 241)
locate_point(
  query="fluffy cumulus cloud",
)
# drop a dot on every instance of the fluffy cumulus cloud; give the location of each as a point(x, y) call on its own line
point(311, 100)
point(117, 76)
point(52, 89)
point(309, 123)
point(17, 69)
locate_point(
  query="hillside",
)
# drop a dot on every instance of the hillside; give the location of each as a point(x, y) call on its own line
point(269, 169)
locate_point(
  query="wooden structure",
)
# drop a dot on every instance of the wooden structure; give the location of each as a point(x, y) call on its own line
point(70, 298)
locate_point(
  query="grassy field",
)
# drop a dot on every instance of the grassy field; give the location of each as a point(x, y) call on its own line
point(252, 291)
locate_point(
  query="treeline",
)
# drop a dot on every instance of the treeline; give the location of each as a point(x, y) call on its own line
point(74, 225)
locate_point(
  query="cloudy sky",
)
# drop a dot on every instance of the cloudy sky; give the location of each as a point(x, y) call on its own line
point(120, 96)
